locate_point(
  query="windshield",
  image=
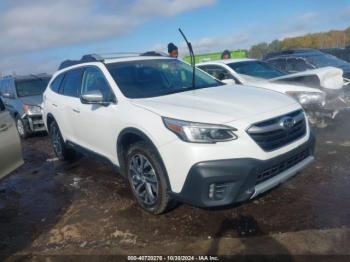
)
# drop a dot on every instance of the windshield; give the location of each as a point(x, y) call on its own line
point(31, 87)
point(256, 69)
point(322, 60)
point(157, 77)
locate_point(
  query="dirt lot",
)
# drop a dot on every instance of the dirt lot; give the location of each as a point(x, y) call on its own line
point(48, 207)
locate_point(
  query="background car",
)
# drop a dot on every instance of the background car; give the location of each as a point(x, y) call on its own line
point(318, 103)
point(341, 53)
point(10, 144)
point(299, 60)
point(257, 73)
point(22, 96)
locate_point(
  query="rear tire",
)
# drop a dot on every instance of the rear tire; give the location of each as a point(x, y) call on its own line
point(59, 147)
point(147, 178)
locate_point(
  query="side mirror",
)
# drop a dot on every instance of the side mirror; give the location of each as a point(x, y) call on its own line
point(93, 97)
point(228, 81)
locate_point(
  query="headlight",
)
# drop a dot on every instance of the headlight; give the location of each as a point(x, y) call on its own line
point(32, 110)
point(306, 98)
point(199, 132)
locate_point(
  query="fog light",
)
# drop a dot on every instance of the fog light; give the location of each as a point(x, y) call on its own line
point(211, 191)
point(250, 191)
point(218, 191)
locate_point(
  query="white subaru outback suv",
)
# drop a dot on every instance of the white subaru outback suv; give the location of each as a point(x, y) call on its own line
point(207, 145)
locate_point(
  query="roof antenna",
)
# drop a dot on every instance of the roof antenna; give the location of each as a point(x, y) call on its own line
point(193, 61)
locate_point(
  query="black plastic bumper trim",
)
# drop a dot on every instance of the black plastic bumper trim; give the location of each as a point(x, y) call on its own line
point(239, 176)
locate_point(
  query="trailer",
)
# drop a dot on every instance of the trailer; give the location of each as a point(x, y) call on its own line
point(205, 57)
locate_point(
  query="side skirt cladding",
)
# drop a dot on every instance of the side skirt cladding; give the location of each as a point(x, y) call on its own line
point(89, 153)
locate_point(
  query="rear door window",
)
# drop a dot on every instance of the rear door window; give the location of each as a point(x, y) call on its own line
point(72, 83)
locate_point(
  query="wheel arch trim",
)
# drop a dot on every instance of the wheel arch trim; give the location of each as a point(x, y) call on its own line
point(143, 136)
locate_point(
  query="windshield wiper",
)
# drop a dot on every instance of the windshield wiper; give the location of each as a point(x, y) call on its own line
point(193, 61)
point(186, 89)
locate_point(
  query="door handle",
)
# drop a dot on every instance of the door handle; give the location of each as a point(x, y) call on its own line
point(4, 127)
point(76, 110)
point(54, 105)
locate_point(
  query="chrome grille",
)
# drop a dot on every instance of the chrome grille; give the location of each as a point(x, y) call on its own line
point(272, 134)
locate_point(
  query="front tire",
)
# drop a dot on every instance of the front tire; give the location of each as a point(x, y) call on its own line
point(21, 128)
point(147, 178)
point(59, 147)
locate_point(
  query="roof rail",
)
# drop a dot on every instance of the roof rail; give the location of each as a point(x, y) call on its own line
point(84, 59)
point(130, 54)
point(103, 56)
point(290, 52)
point(27, 76)
point(5, 76)
point(153, 53)
point(118, 55)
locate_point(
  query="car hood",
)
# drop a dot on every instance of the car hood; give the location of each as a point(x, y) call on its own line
point(277, 86)
point(32, 100)
point(327, 77)
point(218, 105)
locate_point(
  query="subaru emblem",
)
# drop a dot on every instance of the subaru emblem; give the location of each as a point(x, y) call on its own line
point(287, 122)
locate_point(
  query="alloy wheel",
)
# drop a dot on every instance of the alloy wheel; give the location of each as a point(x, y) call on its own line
point(20, 127)
point(143, 179)
point(56, 140)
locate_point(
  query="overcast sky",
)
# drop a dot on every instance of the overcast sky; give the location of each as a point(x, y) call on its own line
point(36, 35)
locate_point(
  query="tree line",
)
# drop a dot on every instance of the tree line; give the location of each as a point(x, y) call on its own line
point(330, 39)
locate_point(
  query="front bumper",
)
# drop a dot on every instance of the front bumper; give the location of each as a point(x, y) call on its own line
point(34, 123)
point(224, 182)
point(337, 101)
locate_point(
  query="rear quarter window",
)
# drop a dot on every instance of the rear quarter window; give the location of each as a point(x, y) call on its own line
point(56, 83)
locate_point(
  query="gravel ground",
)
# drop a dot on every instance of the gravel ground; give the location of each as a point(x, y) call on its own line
point(52, 208)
